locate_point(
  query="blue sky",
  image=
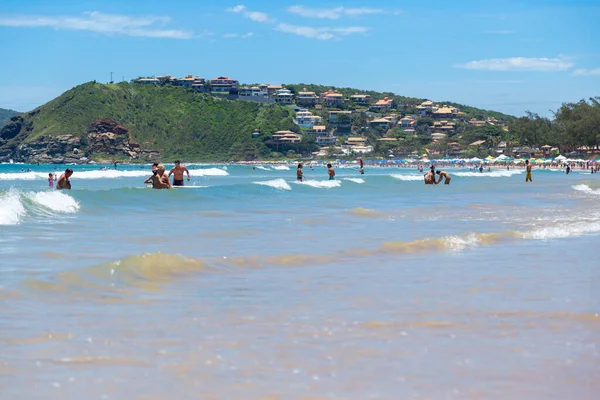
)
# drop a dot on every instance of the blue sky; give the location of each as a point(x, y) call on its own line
point(509, 56)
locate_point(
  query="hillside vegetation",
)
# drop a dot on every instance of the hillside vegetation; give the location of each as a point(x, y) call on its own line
point(179, 122)
point(6, 115)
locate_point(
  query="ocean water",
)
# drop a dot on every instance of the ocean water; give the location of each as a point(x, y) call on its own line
point(255, 286)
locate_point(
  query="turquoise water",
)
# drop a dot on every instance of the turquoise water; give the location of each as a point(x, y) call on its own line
point(254, 286)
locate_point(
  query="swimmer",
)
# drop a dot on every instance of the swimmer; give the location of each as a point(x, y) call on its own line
point(159, 179)
point(429, 178)
point(63, 181)
point(51, 179)
point(443, 175)
point(177, 172)
point(331, 172)
point(299, 173)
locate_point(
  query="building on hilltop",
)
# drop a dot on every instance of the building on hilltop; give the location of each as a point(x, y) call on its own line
point(223, 85)
point(380, 123)
point(272, 89)
point(362, 99)
point(444, 112)
point(284, 96)
point(254, 93)
point(407, 122)
point(332, 98)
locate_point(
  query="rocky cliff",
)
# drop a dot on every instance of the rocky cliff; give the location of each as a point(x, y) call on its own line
point(104, 138)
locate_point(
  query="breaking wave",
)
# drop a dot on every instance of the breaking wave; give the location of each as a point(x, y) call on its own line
point(280, 167)
point(16, 205)
point(275, 183)
point(105, 174)
point(355, 180)
point(320, 184)
point(492, 174)
point(407, 177)
point(586, 189)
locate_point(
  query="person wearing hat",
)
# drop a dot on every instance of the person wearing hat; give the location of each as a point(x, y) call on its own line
point(177, 172)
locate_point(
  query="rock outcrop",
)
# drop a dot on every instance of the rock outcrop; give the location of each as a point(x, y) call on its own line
point(105, 137)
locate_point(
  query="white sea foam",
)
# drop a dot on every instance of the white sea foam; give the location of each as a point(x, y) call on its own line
point(12, 210)
point(460, 243)
point(586, 189)
point(280, 167)
point(321, 184)
point(209, 172)
point(263, 168)
point(106, 174)
point(563, 230)
point(55, 200)
point(355, 180)
point(407, 177)
point(492, 174)
point(275, 183)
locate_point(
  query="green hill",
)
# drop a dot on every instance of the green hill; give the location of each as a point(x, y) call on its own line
point(6, 115)
point(179, 122)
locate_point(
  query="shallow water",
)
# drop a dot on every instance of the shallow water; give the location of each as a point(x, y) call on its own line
point(254, 286)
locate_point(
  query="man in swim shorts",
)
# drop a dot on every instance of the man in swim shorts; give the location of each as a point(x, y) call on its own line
point(528, 171)
point(443, 175)
point(177, 172)
point(63, 181)
point(299, 173)
point(331, 172)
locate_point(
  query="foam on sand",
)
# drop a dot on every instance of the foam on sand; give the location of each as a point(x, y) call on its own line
point(586, 189)
point(355, 180)
point(407, 177)
point(279, 184)
point(321, 184)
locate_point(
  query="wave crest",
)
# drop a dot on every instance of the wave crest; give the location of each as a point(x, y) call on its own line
point(275, 183)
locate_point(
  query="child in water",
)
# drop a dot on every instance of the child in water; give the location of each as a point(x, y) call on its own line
point(51, 179)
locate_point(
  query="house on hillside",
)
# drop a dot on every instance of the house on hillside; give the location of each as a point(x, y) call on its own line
point(444, 112)
point(288, 137)
point(254, 93)
point(272, 89)
point(332, 98)
point(223, 85)
point(407, 122)
point(335, 120)
point(306, 98)
point(186, 82)
point(384, 105)
point(306, 119)
point(284, 96)
point(362, 99)
point(324, 138)
point(380, 123)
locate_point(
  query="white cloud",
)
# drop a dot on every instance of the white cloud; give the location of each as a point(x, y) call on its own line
point(586, 72)
point(320, 33)
point(238, 35)
point(333, 13)
point(237, 9)
point(500, 32)
point(109, 24)
point(518, 64)
point(253, 15)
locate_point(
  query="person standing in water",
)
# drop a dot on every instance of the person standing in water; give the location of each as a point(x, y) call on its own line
point(63, 181)
point(528, 171)
point(443, 175)
point(299, 174)
point(51, 179)
point(331, 172)
point(159, 179)
point(177, 172)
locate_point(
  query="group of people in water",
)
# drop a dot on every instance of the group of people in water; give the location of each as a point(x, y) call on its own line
point(160, 180)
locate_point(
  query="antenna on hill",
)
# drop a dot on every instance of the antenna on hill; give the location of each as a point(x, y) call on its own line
point(111, 81)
